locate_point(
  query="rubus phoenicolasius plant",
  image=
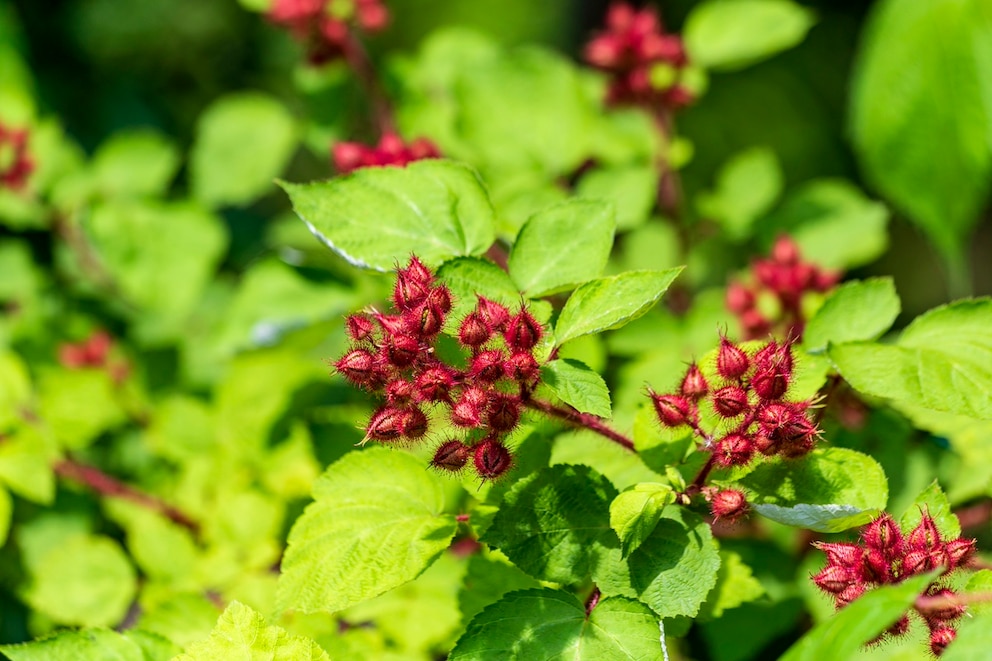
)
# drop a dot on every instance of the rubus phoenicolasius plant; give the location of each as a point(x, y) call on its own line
point(613, 373)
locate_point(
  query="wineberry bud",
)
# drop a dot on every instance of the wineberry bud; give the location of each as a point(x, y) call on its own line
point(493, 314)
point(730, 401)
point(900, 627)
point(414, 423)
point(468, 410)
point(424, 320)
point(474, 331)
point(360, 327)
point(944, 613)
point(412, 285)
point(847, 555)
point(883, 533)
point(386, 424)
point(487, 366)
point(770, 384)
point(451, 456)
point(739, 298)
point(731, 361)
point(960, 551)
point(492, 459)
point(399, 392)
point(694, 384)
point(402, 350)
point(672, 410)
point(835, 579)
point(941, 637)
point(522, 332)
point(785, 251)
point(358, 366)
point(734, 449)
point(440, 297)
point(729, 504)
point(925, 535)
point(434, 383)
point(504, 412)
point(849, 594)
point(522, 367)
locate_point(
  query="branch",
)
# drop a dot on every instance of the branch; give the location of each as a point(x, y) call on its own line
point(107, 486)
point(942, 602)
point(359, 62)
point(975, 515)
point(582, 420)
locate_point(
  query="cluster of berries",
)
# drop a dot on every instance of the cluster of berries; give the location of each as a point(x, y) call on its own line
point(748, 399)
point(394, 355)
point(886, 556)
point(644, 62)
point(323, 25)
point(15, 162)
point(93, 352)
point(391, 150)
point(782, 279)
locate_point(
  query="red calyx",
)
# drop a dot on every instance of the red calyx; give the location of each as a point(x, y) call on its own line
point(492, 459)
point(729, 504)
point(694, 384)
point(731, 361)
point(883, 533)
point(734, 449)
point(474, 331)
point(386, 424)
point(358, 366)
point(730, 401)
point(835, 579)
point(360, 327)
point(503, 413)
point(470, 407)
point(495, 316)
point(399, 392)
point(434, 383)
point(487, 366)
point(941, 637)
point(414, 423)
point(522, 332)
point(402, 350)
point(522, 367)
point(770, 384)
point(672, 410)
point(451, 456)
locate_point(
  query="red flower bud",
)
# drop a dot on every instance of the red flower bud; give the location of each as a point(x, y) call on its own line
point(883, 533)
point(399, 392)
point(694, 384)
point(848, 555)
point(434, 384)
point(731, 361)
point(734, 450)
point(495, 315)
point(492, 459)
point(425, 320)
point(900, 627)
point(451, 456)
point(775, 357)
point(941, 637)
point(785, 251)
point(487, 366)
point(412, 285)
point(414, 424)
point(925, 535)
point(440, 297)
point(358, 366)
point(402, 350)
point(386, 424)
point(474, 331)
point(392, 324)
point(522, 332)
point(849, 594)
point(770, 384)
point(916, 562)
point(960, 551)
point(730, 401)
point(946, 613)
point(468, 410)
point(504, 412)
point(739, 298)
point(522, 368)
point(672, 410)
point(729, 504)
point(360, 327)
point(835, 579)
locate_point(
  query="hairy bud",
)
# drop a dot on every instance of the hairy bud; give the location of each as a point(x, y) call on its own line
point(730, 401)
point(734, 449)
point(414, 424)
point(504, 412)
point(672, 410)
point(883, 533)
point(847, 555)
point(731, 361)
point(492, 459)
point(402, 350)
point(770, 384)
point(522, 332)
point(495, 315)
point(434, 383)
point(729, 504)
point(487, 366)
point(468, 410)
point(694, 384)
point(522, 367)
point(358, 366)
point(474, 331)
point(835, 579)
point(360, 327)
point(941, 637)
point(386, 424)
point(451, 456)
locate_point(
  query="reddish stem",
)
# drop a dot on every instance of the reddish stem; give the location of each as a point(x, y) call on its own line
point(579, 419)
point(360, 64)
point(108, 486)
point(941, 602)
point(975, 515)
point(592, 601)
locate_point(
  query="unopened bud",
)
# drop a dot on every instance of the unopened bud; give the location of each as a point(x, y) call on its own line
point(386, 424)
point(493, 314)
point(492, 459)
point(434, 384)
point(730, 401)
point(770, 384)
point(360, 327)
point(487, 366)
point(504, 412)
point(522, 367)
point(522, 332)
point(734, 449)
point(729, 504)
point(731, 361)
point(474, 331)
point(672, 410)
point(941, 637)
point(414, 424)
point(694, 384)
point(835, 579)
point(451, 456)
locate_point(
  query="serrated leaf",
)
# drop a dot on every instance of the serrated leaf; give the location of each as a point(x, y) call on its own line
point(78, 405)
point(913, 143)
point(933, 501)
point(6, 511)
point(974, 637)
point(555, 523)
point(747, 187)
point(135, 163)
point(672, 571)
point(134, 645)
point(828, 490)
point(243, 142)
point(487, 579)
point(84, 581)
point(15, 387)
point(635, 512)
point(562, 246)
point(732, 35)
point(468, 276)
point(376, 522)
point(26, 457)
point(241, 633)
point(942, 361)
point(735, 585)
point(840, 637)
point(577, 385)
point(631, 188)
point(609, 303)
point(857, 310)
point(434, 209)
point(545, 625)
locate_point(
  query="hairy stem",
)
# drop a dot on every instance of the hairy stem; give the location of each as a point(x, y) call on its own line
point(700, 480)
point(360, 64)
point(105, 485)
point(940, 602)
point(579, 419)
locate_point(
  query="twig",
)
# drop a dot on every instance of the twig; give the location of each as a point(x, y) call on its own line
point(359, 62)
point(942, 602)
point(975, 515)
point(108, 486)
point(579, 419)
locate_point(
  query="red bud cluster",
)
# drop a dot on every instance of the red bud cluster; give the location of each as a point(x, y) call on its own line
point(887, 556)
point(633, 49)
point(16, 164)
point(323, 26)
point(391, 150)
point(748, 395)
point(394, 355)
point(93, 352)
point(785, 277)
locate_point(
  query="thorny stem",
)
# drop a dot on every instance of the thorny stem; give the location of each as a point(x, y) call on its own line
point(700, 480)
point(359, 62)
point(579, 419)
point(940, 602)
point(105, 485)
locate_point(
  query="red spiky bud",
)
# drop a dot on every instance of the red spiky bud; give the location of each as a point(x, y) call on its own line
point(522, 367)
point(849, 594)
point(440, 297)
point(399, 392)
point(765, 445)
point(729, 504)
point(878, 565)
point(434, 383)
point(731, 361)
point(474, 331)
point(739, 298)
point(941, 637)
point(358, 366)
point(730, 401)
point(946, 613)
point(900, 627)
point(402, 350)
point(672, 410)
point(834, 579)
point(495, 316)
point(360, 327)
point(734, 449)
point(694, 384)
point(487, 366)
point(414, 423)
point(424, 320)
point(418, 271)
point(413, 283)
point(451, 456)
point(960, 551)
point(775, 357)
point(504, 412)
point(468, 410)
point(847, 555)
point(785, 251)
point(492, 459)
point(925, 535)
point(754, 324)
point(883, 533)
point(386, 424)
point(770, 384)
point(522, 332)
point(392, 324)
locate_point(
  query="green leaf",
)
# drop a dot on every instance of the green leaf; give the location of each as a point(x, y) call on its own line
point(631, 188)
point(26, 457)
point(609, 303)
point(376, 522)
point(980, 581)
point(942, 361)
point(672, 571)
point(487, 579)
point(914, 143)
point(747, 187)
point(135, 163)
point(161, 255)
point(735, 585)
point(545, 625)
point(553, 524)
point(134, 645)
point(468, 276)
point(15, 388)
point(974, 637)
point(635, 512)
point(933, 501)
point(433, 208)
point(659, 447)
point(6, 512)
point(84, 581)
point(241, 633)
point(833, 222)
point(243, 141)
point(78, 405)
point(828, 490)
point(732, 35)
point(857, 310)
point(840, 637)
point(562, 246)
point(578, 386)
